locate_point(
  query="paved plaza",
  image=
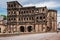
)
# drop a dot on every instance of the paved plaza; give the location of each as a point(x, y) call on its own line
point(39, 36)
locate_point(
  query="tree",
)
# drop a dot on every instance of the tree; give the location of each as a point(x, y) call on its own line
point(4, 17)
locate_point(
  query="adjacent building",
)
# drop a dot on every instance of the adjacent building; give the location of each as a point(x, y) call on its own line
point(30, 19)
point(3, 25)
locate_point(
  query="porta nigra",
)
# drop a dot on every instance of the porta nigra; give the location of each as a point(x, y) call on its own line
point(30, 19)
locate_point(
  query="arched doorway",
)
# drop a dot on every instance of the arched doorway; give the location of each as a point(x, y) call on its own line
point(22, 29)
point(49, 28)
point(29, 28)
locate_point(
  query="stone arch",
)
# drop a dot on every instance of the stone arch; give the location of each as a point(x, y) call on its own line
point(49, 28)
point(21, 28)
point(29, 28)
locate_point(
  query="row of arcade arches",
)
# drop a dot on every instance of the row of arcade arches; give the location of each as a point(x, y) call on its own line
point(22, 28)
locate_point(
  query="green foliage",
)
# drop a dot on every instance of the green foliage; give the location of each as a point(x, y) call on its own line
point(5, 17)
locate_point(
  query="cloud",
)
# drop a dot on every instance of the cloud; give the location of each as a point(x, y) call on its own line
point(58, 17)
point(50, 4)
point(3, 3)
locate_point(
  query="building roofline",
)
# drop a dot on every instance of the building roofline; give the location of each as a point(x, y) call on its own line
point(41, 7)
point(52, 10)
point(14, 2)
point(29, 7)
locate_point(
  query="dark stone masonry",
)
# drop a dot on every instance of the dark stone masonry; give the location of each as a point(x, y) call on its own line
point(30, 19)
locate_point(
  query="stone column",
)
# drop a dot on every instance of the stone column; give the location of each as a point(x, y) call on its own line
point(40, 28)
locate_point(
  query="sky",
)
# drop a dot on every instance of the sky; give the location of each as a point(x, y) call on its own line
point(51, 4)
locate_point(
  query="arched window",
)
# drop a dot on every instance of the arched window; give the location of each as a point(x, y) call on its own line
point(27, 18)
point(40, 17)
point(29, 28)
point(22, 28)
point(44, 17)
point(49, 28)
point(36, 17)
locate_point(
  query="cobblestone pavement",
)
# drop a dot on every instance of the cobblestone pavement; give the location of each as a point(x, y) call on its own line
point(41, 36)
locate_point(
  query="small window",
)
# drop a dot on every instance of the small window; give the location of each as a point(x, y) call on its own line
point(24, 18)
point(24, 11)
point(43, 9)
point(19, 18)
point(27, 18)
point(8, 5)
point(32, 18)
point(30, 11)
point(44, 20)
point(8, 12)
point(52, 17)
point(37, 18)
point(44, 17)
point(11, 5)
point(21, 11)
point(14, 19)
point(40, 17)
point(0, 30)
point(12, 12)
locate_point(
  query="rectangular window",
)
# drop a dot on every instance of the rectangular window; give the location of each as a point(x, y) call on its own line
point(30, 11)
point(36, 17)
point(33, 10)
point(24, 11)
point(8, 5)
point(19, 18)
point(8, 12)
point(44, 17)
point(14, 12)
point(43, 9)
point(19, 12)
point(27, 18)
point(14, 19)
point(0, 30)
point(40, 17)
point(32, 18)
point(11, 5)
point(24, 18)
point(11, 18)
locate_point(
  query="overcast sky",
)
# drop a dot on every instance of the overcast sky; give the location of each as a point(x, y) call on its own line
point(51, 4)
